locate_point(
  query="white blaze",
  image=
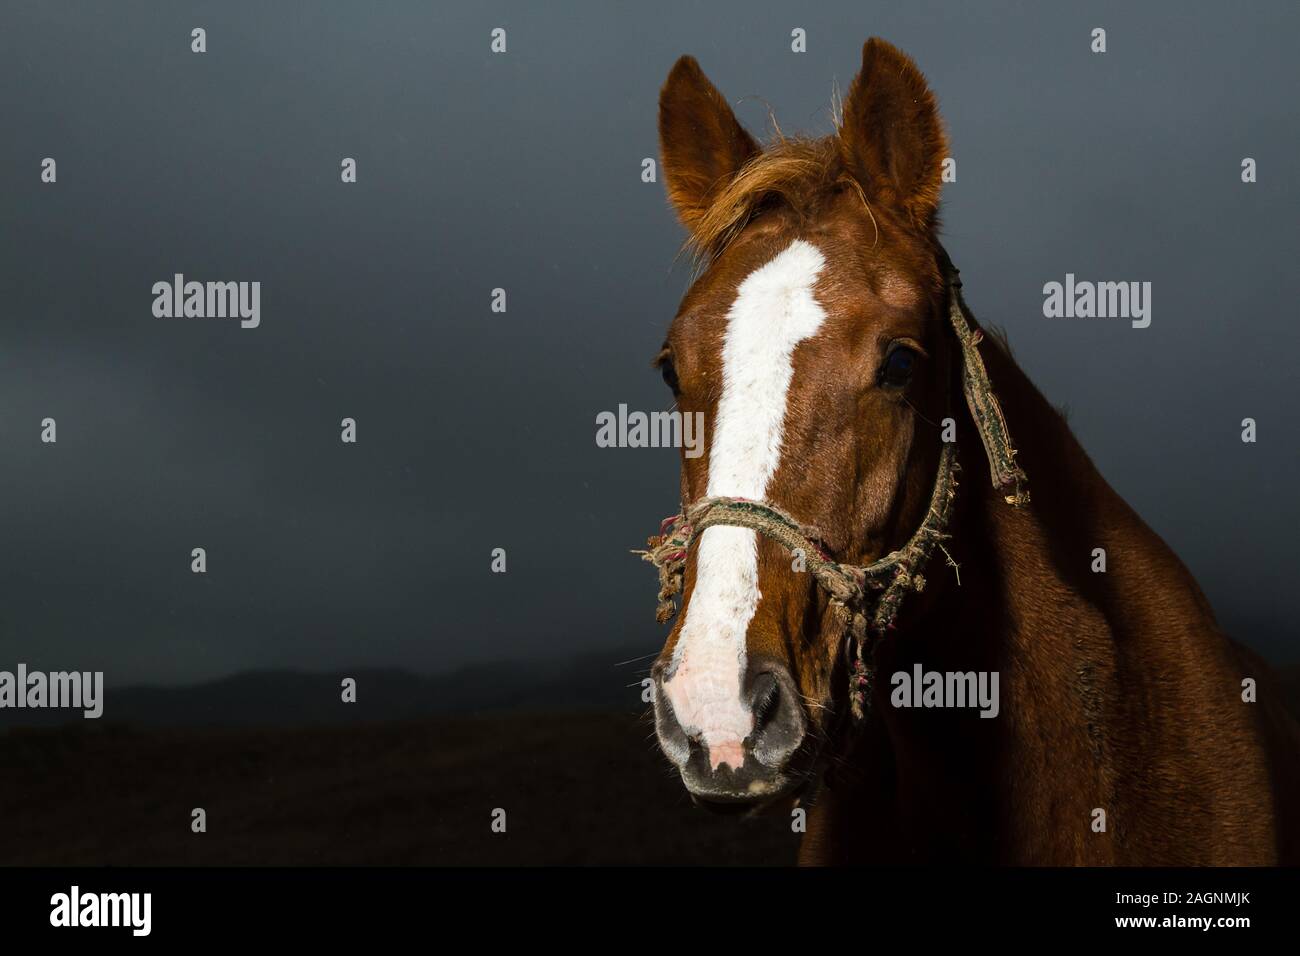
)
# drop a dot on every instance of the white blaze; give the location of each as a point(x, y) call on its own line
point(774, 311)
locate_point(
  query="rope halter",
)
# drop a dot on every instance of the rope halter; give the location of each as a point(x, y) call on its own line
point(850, 587)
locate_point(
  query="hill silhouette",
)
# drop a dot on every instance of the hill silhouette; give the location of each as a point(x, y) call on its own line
point(607, 682)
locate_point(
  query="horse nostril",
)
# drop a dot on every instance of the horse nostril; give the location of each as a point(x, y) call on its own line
point(672, 736)
point(767, 696)
point(778, 719)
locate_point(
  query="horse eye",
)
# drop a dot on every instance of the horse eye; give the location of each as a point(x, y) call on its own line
point(898, 367)
point(669, 373)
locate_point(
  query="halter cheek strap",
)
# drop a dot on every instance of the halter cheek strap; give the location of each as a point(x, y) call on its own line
point(851, 588)
point(980, 398)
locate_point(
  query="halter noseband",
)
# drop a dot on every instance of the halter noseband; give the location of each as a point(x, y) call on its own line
point(850, 587)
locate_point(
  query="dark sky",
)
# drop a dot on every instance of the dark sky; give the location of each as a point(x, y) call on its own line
point(522, 171)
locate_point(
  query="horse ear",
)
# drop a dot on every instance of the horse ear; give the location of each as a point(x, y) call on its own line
point(891, 140)
point(702, 143)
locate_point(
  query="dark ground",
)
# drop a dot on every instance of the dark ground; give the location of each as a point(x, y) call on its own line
point(577, 789)
point(369, 783)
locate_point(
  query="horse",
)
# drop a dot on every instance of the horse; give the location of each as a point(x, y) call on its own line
point(838, 542)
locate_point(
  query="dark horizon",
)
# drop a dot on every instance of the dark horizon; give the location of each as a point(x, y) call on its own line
point(313, 697)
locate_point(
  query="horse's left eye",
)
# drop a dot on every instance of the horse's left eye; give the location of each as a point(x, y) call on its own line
point(898, 367)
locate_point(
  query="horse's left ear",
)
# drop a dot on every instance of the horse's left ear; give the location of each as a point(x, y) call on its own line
point(891, 139)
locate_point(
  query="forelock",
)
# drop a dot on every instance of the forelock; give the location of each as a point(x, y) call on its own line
point(796, 173)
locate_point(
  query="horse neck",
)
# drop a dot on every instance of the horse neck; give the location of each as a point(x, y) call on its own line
point(1041, 564)
point(1019, 567)
point(1101, 675)
point(1031, 609)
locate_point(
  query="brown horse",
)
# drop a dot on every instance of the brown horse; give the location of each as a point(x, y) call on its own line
point(827, 345)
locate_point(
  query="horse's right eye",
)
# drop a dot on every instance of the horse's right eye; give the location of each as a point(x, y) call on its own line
point(669, 372)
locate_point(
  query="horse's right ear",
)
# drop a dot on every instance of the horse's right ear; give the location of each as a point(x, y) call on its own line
point(701, 142)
